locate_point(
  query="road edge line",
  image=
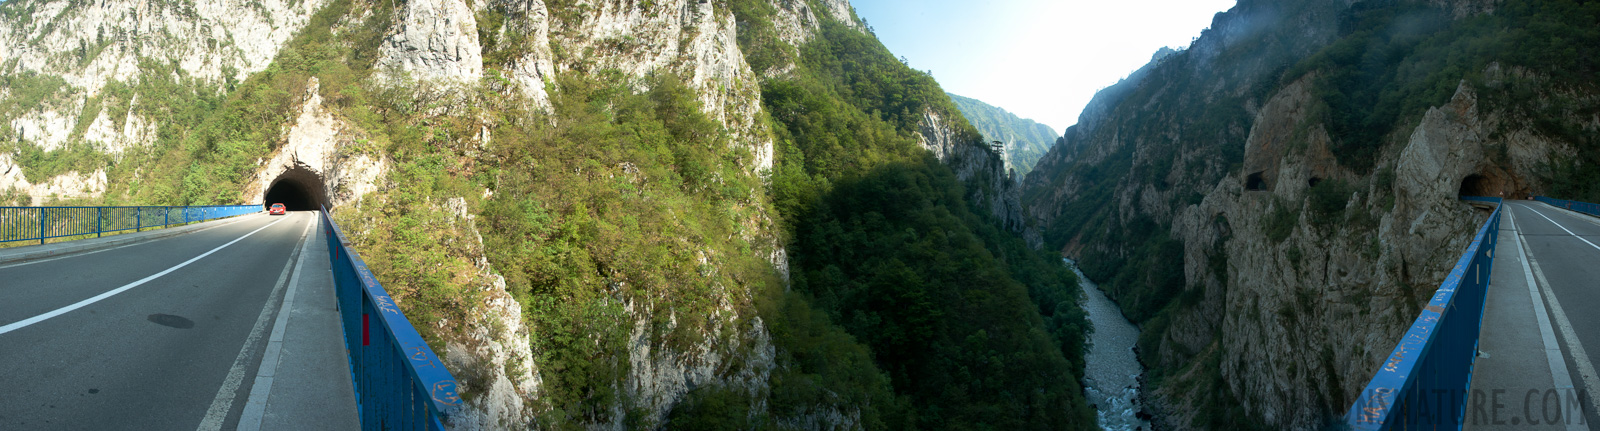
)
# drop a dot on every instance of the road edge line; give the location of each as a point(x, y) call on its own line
point(1585, 369)
point(223, 402)
point(255, 407)
point(1560, 376)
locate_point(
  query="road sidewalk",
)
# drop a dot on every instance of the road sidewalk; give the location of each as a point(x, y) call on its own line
point(303, 382)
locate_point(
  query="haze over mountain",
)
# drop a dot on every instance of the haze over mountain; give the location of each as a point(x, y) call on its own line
point(1025, 139)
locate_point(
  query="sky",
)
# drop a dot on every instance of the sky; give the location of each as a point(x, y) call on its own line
point(1039, 59)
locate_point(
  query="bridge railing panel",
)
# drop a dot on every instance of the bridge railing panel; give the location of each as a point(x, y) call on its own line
point(400, 383)
point(1423, 383)
point(1583, 207)
point(43, 223)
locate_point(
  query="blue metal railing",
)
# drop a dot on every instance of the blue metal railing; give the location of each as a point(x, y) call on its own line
point(1423, 383)
point(1583, 207)
point(42, 223)
point(399, 382)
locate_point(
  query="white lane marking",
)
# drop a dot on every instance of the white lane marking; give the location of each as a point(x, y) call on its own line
point(1585, 241)
point(1591, 218)
point(1591, 381)
point(14, 265)
point(113, 292)
point(1560, 377)
point(223, 402)
point(255, 407)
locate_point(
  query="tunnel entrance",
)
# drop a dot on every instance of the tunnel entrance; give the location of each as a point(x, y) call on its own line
point(1477, 185)
point(1255, 183)
point(298, 189)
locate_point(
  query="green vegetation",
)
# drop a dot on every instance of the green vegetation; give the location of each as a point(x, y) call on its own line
point(1280, 222)
point(1396, 59)
point(969, 327)
point(1327, 201)
point(652, 206)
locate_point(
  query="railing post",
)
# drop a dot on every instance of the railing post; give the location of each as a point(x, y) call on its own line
point(41, 226)
point(99, 213)
point(138, 218)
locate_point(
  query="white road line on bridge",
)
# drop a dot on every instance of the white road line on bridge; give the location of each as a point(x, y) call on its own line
point(1559, 376)
point(1591, 381)
point(255, 407)
point(1585, 241)
point(113, 292)
point(223, 402)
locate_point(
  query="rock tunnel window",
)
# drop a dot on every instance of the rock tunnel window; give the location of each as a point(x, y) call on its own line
point(1476, 185)
point(297, 189)
point(1313, 182)
point(1255, 183)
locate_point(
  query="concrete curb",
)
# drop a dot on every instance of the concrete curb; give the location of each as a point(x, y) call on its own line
point(46, 251)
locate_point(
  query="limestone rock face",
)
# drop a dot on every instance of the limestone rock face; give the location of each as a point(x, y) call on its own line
point(15, 190)
point(89, 45)
point(435, 40)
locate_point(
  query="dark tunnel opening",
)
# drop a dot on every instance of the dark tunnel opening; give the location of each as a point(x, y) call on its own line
point(1476, 185)
point(1255, 183)
point(297, 189)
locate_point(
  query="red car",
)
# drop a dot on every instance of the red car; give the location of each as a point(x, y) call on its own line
point(276, 209)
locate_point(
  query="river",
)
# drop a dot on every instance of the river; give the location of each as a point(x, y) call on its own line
point(1112, 371)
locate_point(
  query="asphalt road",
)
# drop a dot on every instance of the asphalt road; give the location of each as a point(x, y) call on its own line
point(1556, 241)
point(153, 356)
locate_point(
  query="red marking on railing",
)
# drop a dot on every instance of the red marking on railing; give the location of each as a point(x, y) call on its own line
point(366, 333)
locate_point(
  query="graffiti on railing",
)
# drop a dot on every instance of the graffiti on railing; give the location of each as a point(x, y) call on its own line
point(1435, 355)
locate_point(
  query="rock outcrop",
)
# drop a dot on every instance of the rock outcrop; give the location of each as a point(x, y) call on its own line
point(325, 147)
point(15, 190)
point(91, 45)
point(990, 183)
point(434, 40)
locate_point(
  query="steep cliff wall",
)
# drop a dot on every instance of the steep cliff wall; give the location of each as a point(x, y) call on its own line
point(1298, 216)
point(73, 73)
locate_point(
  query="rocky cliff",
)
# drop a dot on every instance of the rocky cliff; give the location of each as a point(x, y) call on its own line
point(70, 71)
point(1290, 247)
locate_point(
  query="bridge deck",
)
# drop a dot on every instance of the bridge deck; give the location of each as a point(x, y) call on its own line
point(1543, 304)
point(189, 332)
